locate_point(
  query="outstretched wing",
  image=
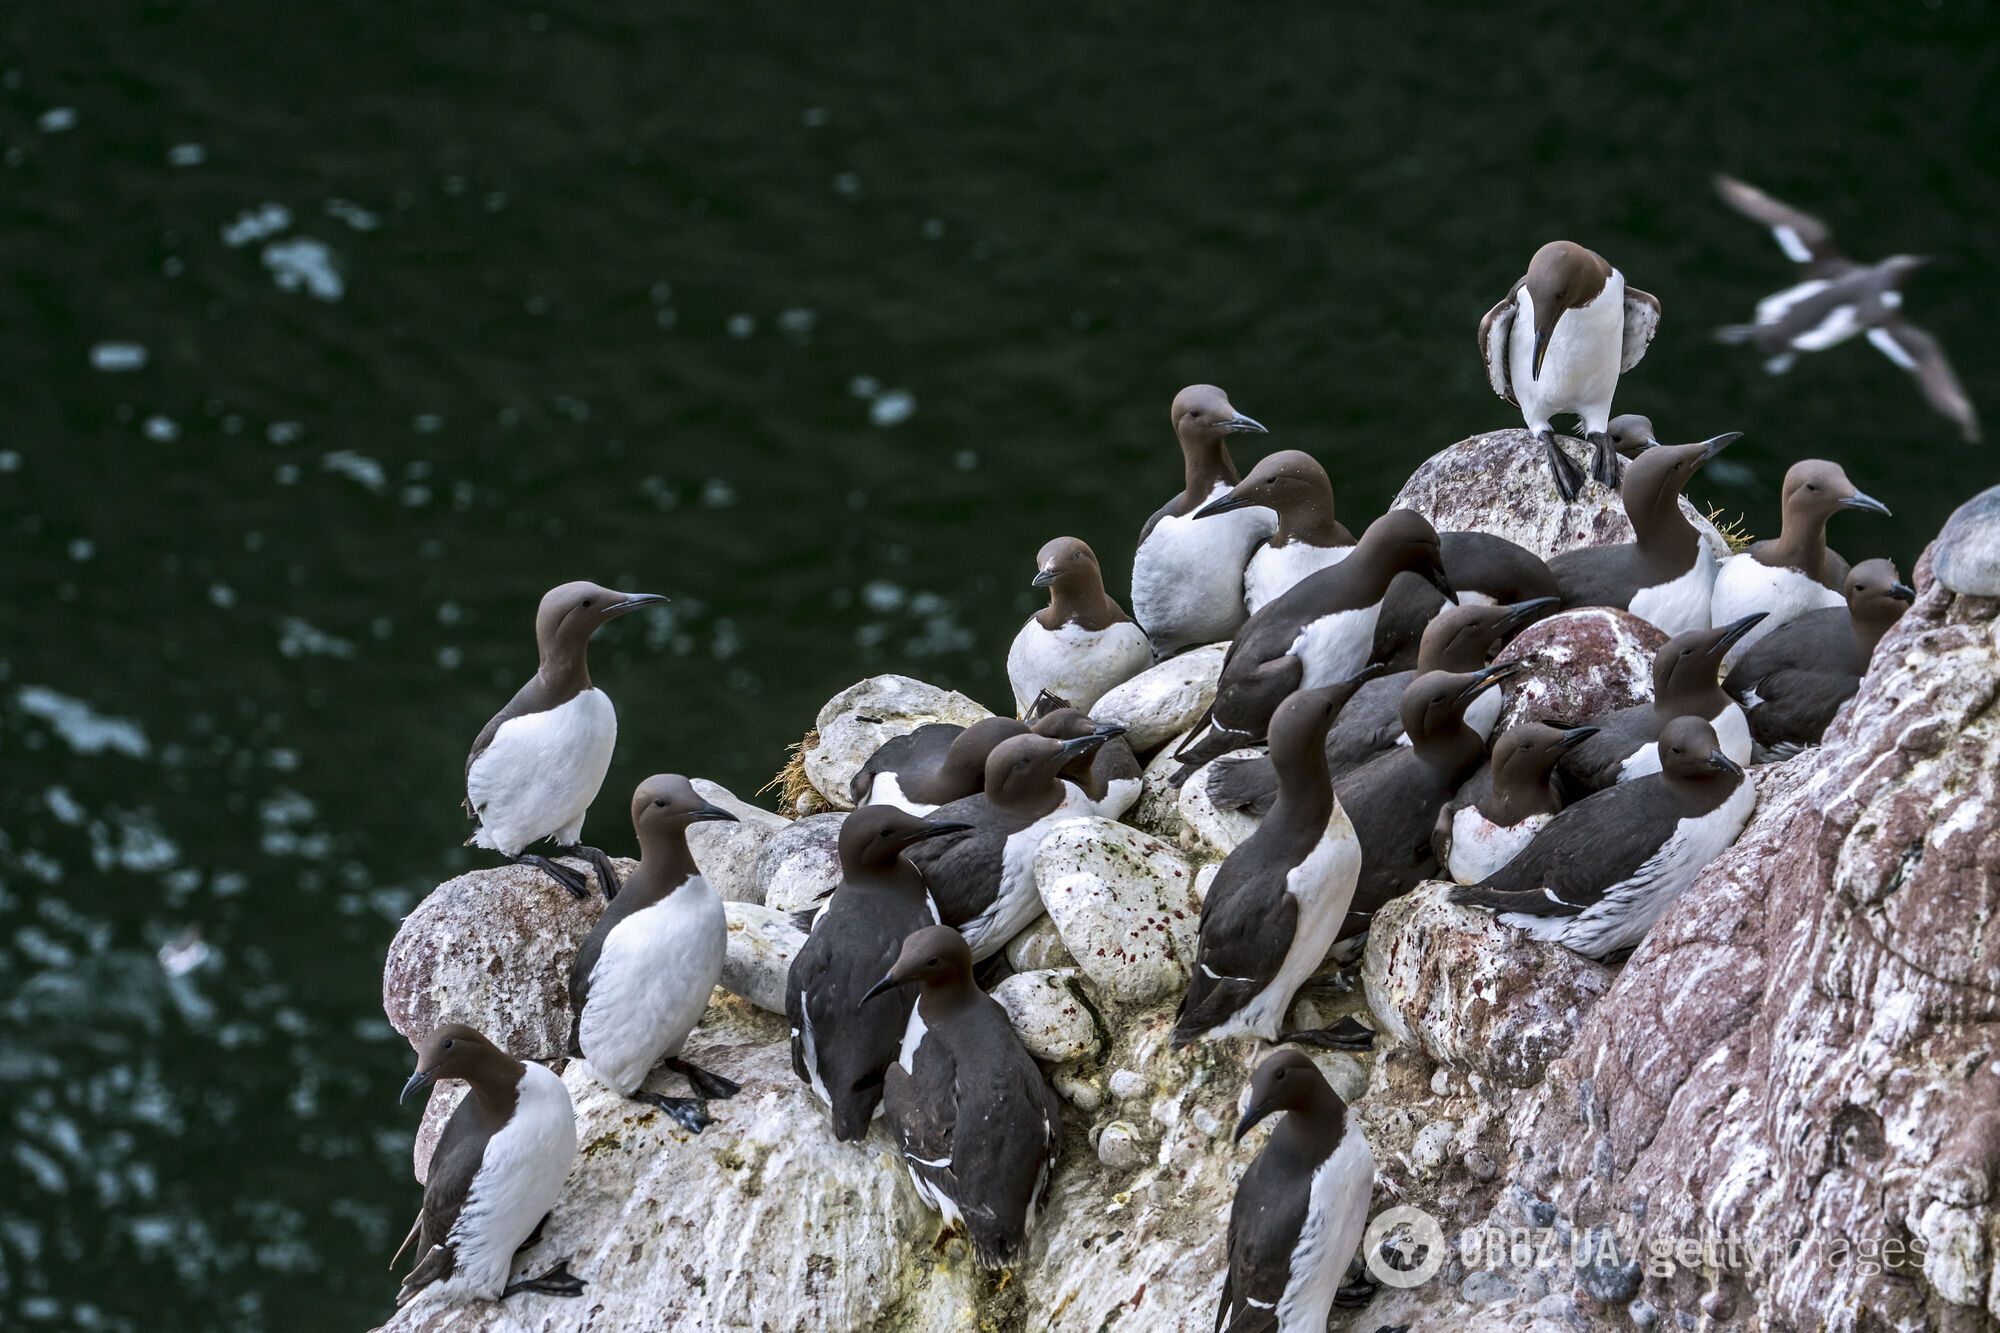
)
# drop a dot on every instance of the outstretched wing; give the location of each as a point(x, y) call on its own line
point(1496, 330)
point(1920, 354)
point(1642, 321)
point(1804, 238)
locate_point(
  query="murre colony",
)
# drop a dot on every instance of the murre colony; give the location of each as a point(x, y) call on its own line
point(1358, 720)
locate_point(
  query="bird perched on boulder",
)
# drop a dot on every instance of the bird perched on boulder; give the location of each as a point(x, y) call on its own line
point(841, 1048)
point(1320, 632)
point(1187, 577)
point(1796, 678)
point(1666, 573)
point(1082, 643)
point(1686, 683)
point(1558, 343)
point(1598, 875)
point(1308, 538)
point(1280, 897)
point(1793, 573)
point(983, 876)
point(978, 1126)
point(497, 1170)
point(1480, 831)
point(1110, 777)
point(936, 764)
point(1300, 1209)
point(1838, 299)
point(537, 764)
point(643, 974)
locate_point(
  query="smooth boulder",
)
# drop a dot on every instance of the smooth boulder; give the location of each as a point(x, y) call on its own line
point(1124, 905)
point(853, 724)
point(1166, 699)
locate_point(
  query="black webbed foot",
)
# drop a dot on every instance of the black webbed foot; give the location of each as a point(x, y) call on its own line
point(558, 1281)
point(687, 1112)
point(1568, 476)
point(607, 874)
point(709, 1086)
point(1604, 464)
point(1349, 1034)
point(570, 879)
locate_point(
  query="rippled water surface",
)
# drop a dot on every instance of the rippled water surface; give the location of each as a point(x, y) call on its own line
point(334, 334)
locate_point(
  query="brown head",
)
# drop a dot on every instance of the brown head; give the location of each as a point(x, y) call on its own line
point(1023, 774)
point(453, 1050)
point(935, 958)
point(1631, 434)
point(1434, 704)
point(1877, 595)
point(1652, 487)
point(1289, 1081)
point(1524, 758)
point(662, 808)
point(1402, 541)
point(1562, 276)
point(1067, 564)
point(964, 766)
point(1204, 418)
point(874, 838)
point(1293, 484)
point(1687, 666)
point(571, 613)
point(1465, 637)
point(1815, 490)
point(1689, 752)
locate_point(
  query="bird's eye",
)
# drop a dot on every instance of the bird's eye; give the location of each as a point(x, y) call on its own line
point(1281, 1073)
point(447, 1043)
point(932, 963)
point(1812, 485)
point(661, 801)
point(586, 601)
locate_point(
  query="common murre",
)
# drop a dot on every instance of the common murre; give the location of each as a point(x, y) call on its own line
point(1082, 643)
point(1478, 832)
point(1686, 683)
point(1793, 573)
point(1308, 538)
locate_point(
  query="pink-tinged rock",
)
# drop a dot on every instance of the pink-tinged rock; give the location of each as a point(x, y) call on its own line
point(1499, 483)
point(1475, 994)
point(1587, 663)
point(493, 949)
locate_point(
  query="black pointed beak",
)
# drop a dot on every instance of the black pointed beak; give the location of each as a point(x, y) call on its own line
point(1368, 673)
point(1737, 629)
point(1043, 578)
point(1859, 500)
point(1722, 763)
point(1110, 731)
point(417, 1080)
point(1240, 423)
point(1438, 580)
point(1902, 592)
point(1250, 1118)
point(1542, 336)
point(1487, 677)
point(1716, 444)
point(887, 983)
point(1222, 504)
point(633, 601)
point(937, 828)
point(708, 813)
point(1574, 737)
point(1084, 744)
point(1521, 613)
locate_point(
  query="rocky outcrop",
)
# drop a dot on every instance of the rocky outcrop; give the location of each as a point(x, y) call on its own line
point(727, 853)
point(1584, 664)
point(1499, 483)
point(1124, 905)
point(1166, 699)
point(800, 863)
point(855, 723)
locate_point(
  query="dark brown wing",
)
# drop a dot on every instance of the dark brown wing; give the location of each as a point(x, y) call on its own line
point(1804, 238)
point(1587, 848)
point(461, 1150)
point(1496, 330)
point(1920, 354)
point(1642, 321)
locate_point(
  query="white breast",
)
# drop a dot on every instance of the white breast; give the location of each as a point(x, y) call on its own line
point(651, 983)
point(1732, 730)
point(1336, 1216)
point(518, 1182)
point(1775, 306)
point(886, 790)
point(1580, 368)
point(1322, 887)
point(539, 774)
point(1275, 570)
point(1479, 846)
point(1334, 647)
point(1019, 900)
point(1621, 918)
point(1075, 664)
point(1744, 584)
point(1120, 794)
point(1682, 604)
point(1187, 578)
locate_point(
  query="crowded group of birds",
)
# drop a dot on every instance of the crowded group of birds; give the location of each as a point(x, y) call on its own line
point(1354, 717)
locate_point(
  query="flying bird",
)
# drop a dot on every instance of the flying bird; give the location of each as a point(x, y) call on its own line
point(1838, 299)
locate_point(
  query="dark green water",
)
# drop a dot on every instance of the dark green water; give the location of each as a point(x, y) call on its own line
point(820, 321)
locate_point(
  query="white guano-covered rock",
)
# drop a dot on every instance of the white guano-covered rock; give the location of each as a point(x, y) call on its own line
point(1050, 1014)
point(1164, 700)
point(1206, 832)
point(1124, 905)
point(1585, 664)
point(800, 864)
point(727, 852)
point(1499, 483)
point(762, 942)
point(854, 724)
point(1039, 946)
point(1158, 809)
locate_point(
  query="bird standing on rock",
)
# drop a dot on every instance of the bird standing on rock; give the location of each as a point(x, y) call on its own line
point(1279, 898)
point(937, 763)
point(1795, 572)
point(497, 1170)
point(1187, 577)
point(1558, 343)
point(1320, 632)
point(1797, 677)
point(1599, 874)
point(840, 1047)
point(643, 975)
point(1686, 683)
point(1082, 643)
point(1308, 538)
point(1666, 574)
point(1838, 299)
point(979, 1127)
point(1300, 1209)
point(537, 765)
